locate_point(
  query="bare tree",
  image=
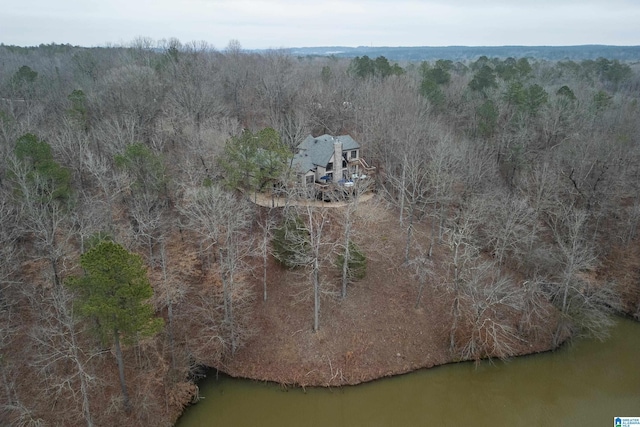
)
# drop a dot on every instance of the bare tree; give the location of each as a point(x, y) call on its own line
point(146, 184)
point(264, 247)
point(276, 88)
point(315, 221)
point(484, 299)
point(221, 219)
point(43, 214)
point(217, 337)
point(9, 249)
point(195, 160)
point(507, 226)
point(239, 80)
point(113, 134)
point(108, 182)
point(303, 241)
point(64, 364)
point(148, 217)
point(541, 191)
point(10, 290)
point(233, 270)
point(170, 291)
point(192, 89)
point(575, 255)
point(442, 167)
point(485, 329)
point(294, 126)
point(536, 310)
point(7, 368)
point(584, 305)
point(133, 92)
point(72, 145)
point(463, 252)
point(412, 186)
point(349, 220)
point(422, 265)
point(89, 218)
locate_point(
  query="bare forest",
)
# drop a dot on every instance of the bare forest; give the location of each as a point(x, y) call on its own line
point(139, 245)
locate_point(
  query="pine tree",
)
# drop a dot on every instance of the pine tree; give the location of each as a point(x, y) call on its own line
point(114, 292)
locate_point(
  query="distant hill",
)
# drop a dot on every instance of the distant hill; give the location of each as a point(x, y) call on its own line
point(460, 53)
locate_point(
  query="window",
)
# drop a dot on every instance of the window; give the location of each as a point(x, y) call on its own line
point(330, 166)
point(354, 154)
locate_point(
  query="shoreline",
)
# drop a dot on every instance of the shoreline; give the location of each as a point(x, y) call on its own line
point(238, 373)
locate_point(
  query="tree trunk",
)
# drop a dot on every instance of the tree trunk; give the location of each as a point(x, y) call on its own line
point(455, 264)
point(84, 388)
point(345, 270)
point(170, 332)
point(454, 326)
point(225, 288)
point(150, 240)
point(402, 189)
point(264, 272)
point(409, 233)
point(420, 290)
point(347, 252)
point(7, 388)
point(565, 297)
point(265, 258)
point(169, 302)
point(123, 384)
point(316, 295)
point(56, 275)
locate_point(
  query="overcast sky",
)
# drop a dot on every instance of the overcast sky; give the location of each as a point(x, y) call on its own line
point(289, 23)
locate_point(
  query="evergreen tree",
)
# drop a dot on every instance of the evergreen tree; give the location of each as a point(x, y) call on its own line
point(356, 262)
point(50, 181)
point(291, 242)
point(484, 79)
point(250, 161)
point(114, 292)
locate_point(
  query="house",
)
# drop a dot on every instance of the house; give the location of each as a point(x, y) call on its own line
point(328, 159)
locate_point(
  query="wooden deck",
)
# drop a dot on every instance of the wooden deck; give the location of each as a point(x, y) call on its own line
point(265, 199)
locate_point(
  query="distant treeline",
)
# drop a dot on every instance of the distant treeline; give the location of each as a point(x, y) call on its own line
point(461, 53)
point(421, 53)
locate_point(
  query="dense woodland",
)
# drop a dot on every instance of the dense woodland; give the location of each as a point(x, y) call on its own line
point(132, 253)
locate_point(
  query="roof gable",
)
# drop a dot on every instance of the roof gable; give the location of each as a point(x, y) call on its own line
point(326, 141)
point(313, 152)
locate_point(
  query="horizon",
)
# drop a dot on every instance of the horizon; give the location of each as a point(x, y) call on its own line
point(158, 43)
point(286, 24)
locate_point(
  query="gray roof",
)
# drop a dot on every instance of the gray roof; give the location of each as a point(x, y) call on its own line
point(314, 152)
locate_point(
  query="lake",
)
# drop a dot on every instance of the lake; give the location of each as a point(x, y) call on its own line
point(585, 383)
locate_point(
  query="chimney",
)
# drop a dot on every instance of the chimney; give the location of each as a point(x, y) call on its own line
point(337, 160)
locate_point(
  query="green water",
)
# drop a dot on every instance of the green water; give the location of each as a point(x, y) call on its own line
point(585, 383)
